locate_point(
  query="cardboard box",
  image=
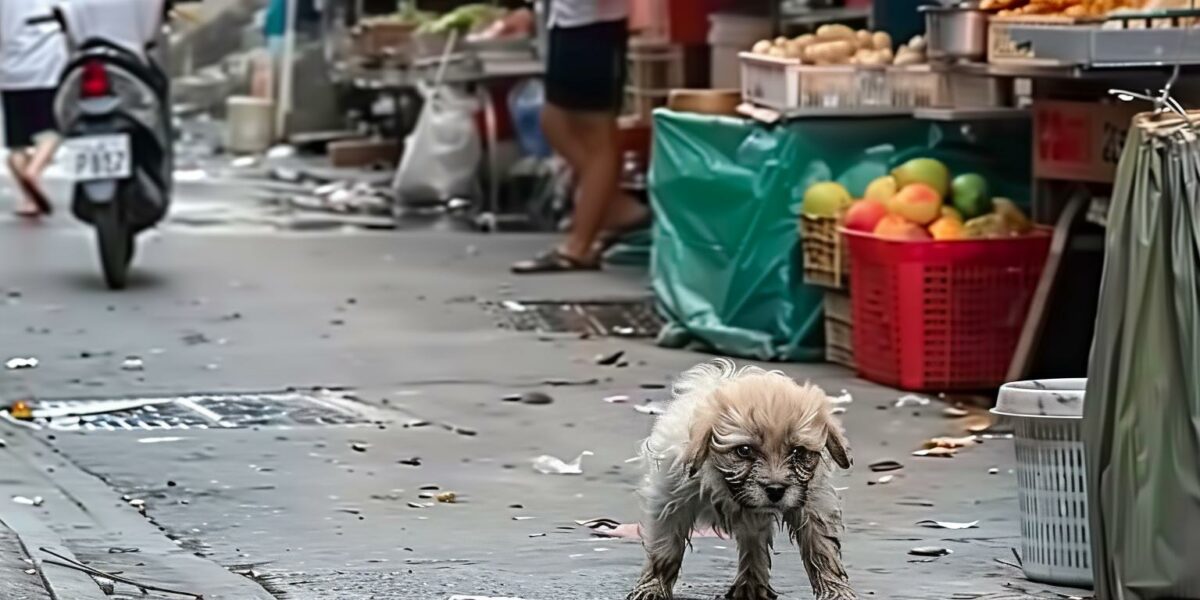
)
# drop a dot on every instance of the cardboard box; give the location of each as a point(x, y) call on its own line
point(1080, 141)
point(364, 152)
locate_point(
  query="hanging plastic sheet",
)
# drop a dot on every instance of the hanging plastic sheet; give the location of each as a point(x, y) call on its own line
point(1142, 414)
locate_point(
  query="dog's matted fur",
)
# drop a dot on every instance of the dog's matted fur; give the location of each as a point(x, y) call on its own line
point(747, 452)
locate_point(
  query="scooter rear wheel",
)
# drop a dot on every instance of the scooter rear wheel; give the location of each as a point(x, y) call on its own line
point(114, 239)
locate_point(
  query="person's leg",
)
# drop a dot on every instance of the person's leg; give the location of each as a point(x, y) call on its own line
point(18, 162)
point(560, 134)
point(41, 157)
point(598, 182)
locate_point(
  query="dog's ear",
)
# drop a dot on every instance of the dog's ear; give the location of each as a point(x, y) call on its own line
point(699, 442)
point(835, 443)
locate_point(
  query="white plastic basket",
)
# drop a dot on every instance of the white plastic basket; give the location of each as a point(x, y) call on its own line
point(1051, 480)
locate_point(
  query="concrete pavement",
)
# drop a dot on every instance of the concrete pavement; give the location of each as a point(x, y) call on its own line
point(396, 319)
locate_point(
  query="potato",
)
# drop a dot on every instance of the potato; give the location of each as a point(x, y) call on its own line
point(864, 40)
point(917, 43)
point(806, 40)
point(779, 41)
point(794, 49)
point(881, 40)
point(907, 56)
point(873, 58)
point(835, 32)
point(830, 53)
point(777, 52)
point(761, 47)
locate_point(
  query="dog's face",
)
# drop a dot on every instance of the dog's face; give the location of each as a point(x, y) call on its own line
point(765, 436)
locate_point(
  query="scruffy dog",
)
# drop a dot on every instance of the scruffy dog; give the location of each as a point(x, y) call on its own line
point(747, 452)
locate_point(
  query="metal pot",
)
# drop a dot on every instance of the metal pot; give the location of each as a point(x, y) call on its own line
point(956, 32)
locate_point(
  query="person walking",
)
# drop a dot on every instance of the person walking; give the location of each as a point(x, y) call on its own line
point(32, 57)
point(585, 81)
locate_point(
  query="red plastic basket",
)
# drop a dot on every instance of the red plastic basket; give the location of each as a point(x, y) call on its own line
point(932, 316)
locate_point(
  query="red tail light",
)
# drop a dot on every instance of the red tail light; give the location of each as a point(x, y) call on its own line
point(94, 82)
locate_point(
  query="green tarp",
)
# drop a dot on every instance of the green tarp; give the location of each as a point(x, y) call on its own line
point(726, 263)
point(1142, 407)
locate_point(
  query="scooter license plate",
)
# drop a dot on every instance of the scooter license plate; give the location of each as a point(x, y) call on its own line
point(98, 157)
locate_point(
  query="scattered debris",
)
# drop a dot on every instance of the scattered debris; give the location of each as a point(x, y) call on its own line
point(886, 479)
point(537, 535)
point(447, 498)
point(610, 359)
point(932, 551)
point(911, 400)
point(930, 523)
point(359, 446)
point(21, 410)
point(132, 363)
point(18, 362)
point(412, 462)
point(883, 466)
point(556, 382)
point(143, 587)
point(281, 151)
point(34, 501)
point(481, 598)
point(618, 399)
point(126, 550)
point(952, 442)
point(523, 518)
point(159, 440)
point(415, 505)
point(536, 398)
point(652, 408)
point(993, 471)
point(936, 452)
point(954, 412)
point(550, 465)
point(244, 162)
point(841, 399)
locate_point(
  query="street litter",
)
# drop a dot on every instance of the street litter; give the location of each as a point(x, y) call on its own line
point(652, 408)
point(610, 359)
point(609, 528)
point(618, 399)
point(930, 551)
point(187, 175)
point(244, 162)
point(936, 452)
point(513, 306)
point(132, 363)
point(447, 498)
point(481, 598)
point(415, 505)
point(930, 523)
point(954, 412)
point(883, 466)
point(523, 518)
point(843, 398)
point(886, 479)
point(993, 471)
point(951, 442)
point(16, 363)
point(911, 400)
point(34, 501)
point(281, 151)
point(143, 587)
point(537, 535)
point(536, 399)
point(550, 465)
point(159, 440)
point(359, 446)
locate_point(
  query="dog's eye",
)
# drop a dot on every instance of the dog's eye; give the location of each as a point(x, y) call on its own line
point(800, 453)
point(744, 451)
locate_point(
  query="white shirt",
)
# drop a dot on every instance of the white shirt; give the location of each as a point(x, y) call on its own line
point(577, 13)
point(130, 24)
point(31, 56)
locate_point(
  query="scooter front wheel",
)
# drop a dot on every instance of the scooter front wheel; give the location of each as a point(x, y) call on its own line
point(114, 239)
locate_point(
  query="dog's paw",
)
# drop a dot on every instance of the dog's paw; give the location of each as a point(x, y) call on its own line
point(751, 591)
point(650, 590)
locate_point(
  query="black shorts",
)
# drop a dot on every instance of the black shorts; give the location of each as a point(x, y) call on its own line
point(27, 113)
point(585, 67)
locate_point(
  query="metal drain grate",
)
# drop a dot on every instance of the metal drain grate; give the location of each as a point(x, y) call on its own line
point(198, 411)
point(625, 318)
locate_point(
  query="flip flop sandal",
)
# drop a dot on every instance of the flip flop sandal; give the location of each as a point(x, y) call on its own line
point(29, 214)
point(552, 261)
point(43, 204)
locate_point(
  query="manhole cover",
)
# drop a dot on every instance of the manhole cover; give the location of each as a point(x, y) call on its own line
point(197, 411)
point(623, 318)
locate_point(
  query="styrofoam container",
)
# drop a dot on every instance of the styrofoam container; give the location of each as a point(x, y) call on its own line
point(1052, 484)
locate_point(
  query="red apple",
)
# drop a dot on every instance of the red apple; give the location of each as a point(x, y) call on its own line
point(895, 227)
point(918, 203)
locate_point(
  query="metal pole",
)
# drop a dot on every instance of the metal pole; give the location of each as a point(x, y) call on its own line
point(286, 71)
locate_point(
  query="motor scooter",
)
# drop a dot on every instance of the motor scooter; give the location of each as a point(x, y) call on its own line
point(113, 112)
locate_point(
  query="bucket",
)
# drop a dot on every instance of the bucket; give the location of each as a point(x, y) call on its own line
point(1051, 480)
point(250, 124)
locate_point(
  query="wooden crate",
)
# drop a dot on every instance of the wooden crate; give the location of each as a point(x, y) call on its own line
point(839, 328)
point(826, 259)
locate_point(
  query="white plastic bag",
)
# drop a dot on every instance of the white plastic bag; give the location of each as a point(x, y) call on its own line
point(442, 155)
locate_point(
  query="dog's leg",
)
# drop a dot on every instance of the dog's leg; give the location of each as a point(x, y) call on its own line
point(665, 540)
point(753, 535)
point(817, 530)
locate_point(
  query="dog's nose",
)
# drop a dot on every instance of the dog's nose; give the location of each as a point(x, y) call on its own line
point(775, 491)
